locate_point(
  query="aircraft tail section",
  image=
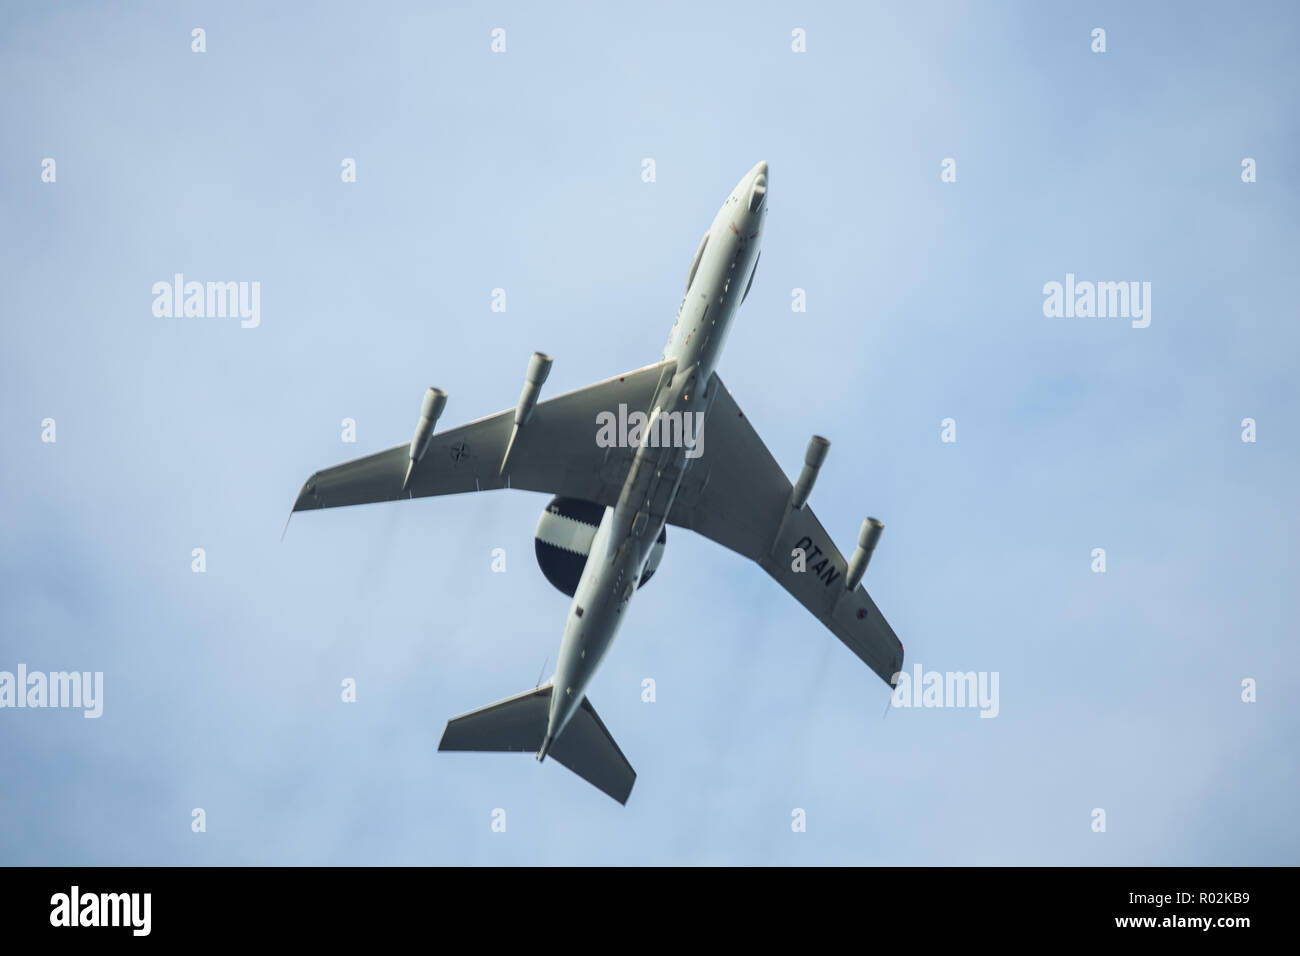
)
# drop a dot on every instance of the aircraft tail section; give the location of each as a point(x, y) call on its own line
point(587, 748)
point(518, 725)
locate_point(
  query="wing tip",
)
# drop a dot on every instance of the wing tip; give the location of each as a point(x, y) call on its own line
point(307, 499)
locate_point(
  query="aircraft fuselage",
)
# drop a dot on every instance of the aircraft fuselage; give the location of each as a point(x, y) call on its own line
point(717, 282)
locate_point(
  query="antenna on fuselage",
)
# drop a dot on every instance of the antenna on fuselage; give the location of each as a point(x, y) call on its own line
point(545, 661)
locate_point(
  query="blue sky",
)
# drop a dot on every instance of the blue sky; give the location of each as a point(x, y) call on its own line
point(522, 171)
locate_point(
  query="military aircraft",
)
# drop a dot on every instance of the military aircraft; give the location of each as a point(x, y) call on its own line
point(684, 455)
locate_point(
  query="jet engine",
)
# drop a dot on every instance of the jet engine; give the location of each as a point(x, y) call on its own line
point(563, 541)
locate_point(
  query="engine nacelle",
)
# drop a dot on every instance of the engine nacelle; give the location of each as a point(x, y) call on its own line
point(539, 366)
point(812, 463)
point(435, 400)
point(563, 541)
point(868, 537)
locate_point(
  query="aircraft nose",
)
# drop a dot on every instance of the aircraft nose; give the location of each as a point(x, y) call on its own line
point(757, 186)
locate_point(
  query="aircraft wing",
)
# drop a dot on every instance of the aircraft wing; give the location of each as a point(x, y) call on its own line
point(556, 452)
point(737, 495)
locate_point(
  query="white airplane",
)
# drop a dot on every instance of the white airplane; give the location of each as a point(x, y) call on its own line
point(616, 489)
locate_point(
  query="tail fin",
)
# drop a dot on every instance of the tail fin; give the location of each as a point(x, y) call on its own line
point(518, 725)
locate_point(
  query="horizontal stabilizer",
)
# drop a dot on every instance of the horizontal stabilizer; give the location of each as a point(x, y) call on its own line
point(518, 725)
point(514, 725)
point(588, 749)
